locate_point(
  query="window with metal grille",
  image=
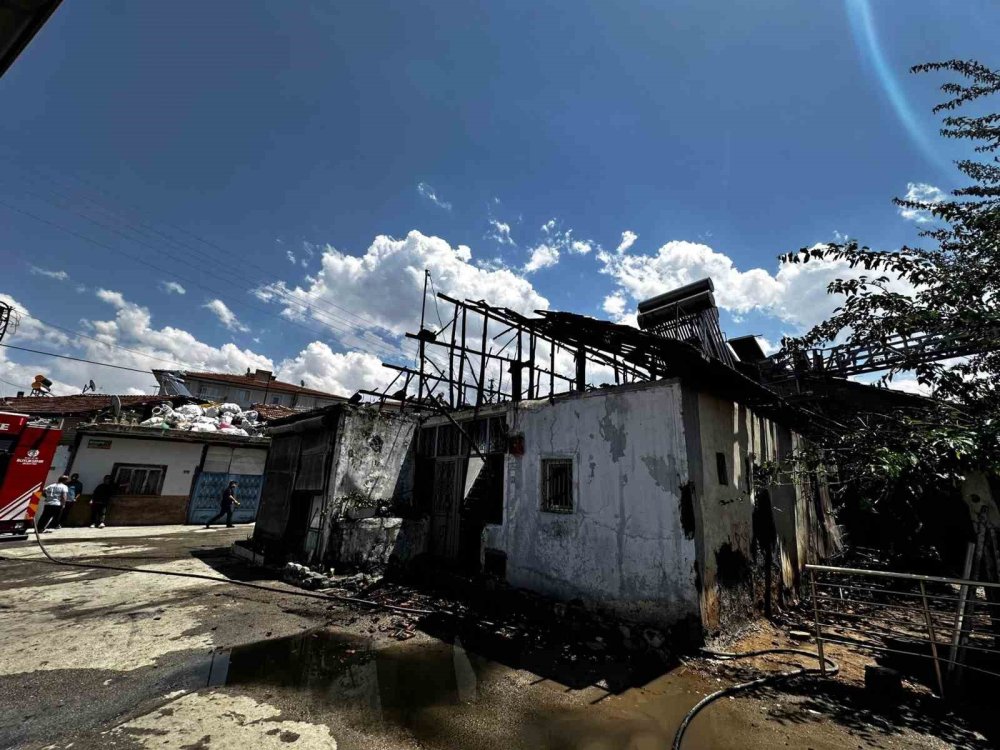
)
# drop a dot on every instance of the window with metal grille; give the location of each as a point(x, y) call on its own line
point(138, 479)
point(557, 485)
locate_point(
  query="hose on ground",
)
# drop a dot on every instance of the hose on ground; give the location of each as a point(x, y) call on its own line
point(218, 579)
point(832, 669)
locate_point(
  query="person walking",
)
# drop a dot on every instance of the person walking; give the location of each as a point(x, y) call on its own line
point(55, 495)
point(99, 502)
point(75, 487)
point(226, 506)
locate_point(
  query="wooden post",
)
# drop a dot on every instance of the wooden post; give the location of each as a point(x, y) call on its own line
point(552, 368)
point(461, 364)
point(531, 367)
point(482, 362)
point(451, 361)
point(581, 368)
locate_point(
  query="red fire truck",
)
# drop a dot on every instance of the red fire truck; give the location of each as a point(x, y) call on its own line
point(27, 447)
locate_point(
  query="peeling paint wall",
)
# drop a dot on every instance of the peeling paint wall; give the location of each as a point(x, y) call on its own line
point(372, 467)
point(725, 509)
point(373, 464)
point(750, 542)
point(624, 546)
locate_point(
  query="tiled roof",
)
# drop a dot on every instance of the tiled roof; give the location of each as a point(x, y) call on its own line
point(267, 412)
point(248, 381)
point(79, 404)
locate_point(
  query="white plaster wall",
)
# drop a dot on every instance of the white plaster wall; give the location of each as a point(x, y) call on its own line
point(372, 465)
point(623, 546)
point(725, 511)
point(181, 460)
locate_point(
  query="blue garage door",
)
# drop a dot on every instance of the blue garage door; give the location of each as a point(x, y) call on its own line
point(207, 496)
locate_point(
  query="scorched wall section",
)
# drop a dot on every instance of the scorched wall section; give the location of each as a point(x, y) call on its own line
point(622, 546)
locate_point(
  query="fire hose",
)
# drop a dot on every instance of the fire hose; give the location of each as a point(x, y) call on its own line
point(219, 579)
point(832, 669)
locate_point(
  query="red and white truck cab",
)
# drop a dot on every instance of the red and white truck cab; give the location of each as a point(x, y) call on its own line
point(27, 447)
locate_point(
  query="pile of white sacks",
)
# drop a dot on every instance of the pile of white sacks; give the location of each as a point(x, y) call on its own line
point(228, 419)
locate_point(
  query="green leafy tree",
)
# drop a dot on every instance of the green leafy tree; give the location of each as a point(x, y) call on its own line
point(950, 289)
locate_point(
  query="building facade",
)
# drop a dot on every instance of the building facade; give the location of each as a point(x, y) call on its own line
point(248, 390)
point(167, 476)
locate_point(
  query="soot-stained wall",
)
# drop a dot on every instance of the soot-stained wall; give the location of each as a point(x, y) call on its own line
point(627, 546)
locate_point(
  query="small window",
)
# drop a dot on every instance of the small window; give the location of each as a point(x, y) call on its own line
point(138, 479)
point(720, 467)
point(275, 400)
point(245, 397)
point(557, 485)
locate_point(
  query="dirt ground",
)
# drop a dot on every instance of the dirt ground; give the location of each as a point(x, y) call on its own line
point(113, 659)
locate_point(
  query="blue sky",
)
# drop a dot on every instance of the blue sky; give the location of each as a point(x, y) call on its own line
point(207, 144)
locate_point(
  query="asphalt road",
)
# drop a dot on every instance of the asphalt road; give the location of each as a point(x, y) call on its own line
point(108, 659)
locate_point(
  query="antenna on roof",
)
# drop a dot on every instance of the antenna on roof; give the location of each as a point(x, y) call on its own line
point(89, 387)
point(116, 406)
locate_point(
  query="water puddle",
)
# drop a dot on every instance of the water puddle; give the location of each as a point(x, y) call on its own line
point(443, 696)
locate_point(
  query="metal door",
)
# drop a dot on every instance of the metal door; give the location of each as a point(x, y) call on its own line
point(445, 507)
point(206, 499)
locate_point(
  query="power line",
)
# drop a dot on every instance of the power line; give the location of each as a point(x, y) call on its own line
point(75, 359)
point(105, 343)
point(155, 267)
point(285, 296)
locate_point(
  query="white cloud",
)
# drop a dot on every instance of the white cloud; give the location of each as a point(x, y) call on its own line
point(291, 257)
point(343, 373)
point(501, 233)
point(431, 194)
point(128, 340)
point(795, 293)
point(628, 239)
point(57, 275)
point(542, 256)
point(921, 192)
point(580, 247)
point(226, 316)
point(614, 305)
point(382, 288)
point(172, 287)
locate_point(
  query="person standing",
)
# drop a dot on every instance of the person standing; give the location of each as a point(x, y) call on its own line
point(55, 495)
point(99, 502)
point(75, 487)
point(226, 506)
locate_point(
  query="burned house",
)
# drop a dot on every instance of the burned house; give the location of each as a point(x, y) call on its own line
point(642, 471)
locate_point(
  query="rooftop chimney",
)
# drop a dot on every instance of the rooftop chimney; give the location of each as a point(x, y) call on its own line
point(262, 376)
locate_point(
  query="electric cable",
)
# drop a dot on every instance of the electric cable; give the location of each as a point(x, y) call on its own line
point(122, 217)
point(386, 348)
point(216, 579)
point(328, 319)
point(832, 669)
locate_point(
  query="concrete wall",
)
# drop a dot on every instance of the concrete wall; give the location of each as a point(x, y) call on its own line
point(373, 543)
point(170, 506)
point(180, 458)
point(372, 466)
point(624, 547)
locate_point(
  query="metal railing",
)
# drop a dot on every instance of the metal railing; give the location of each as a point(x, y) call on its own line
point(952, 622)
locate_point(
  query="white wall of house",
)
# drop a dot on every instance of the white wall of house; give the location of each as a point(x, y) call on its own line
point(92, 463)
point(623, 546)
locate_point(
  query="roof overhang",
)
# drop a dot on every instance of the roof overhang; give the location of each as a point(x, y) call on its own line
point(20, 20)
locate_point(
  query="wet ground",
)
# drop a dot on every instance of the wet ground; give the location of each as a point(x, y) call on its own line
point(97, 658)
